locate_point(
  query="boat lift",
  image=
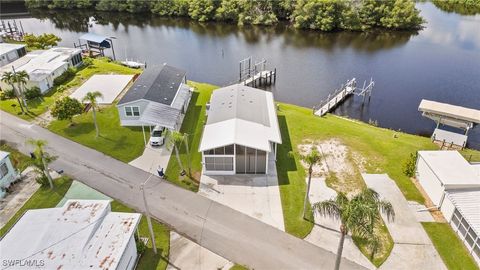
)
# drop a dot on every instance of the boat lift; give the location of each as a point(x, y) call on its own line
point(453, 116)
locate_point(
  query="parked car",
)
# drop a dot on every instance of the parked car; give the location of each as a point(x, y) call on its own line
point(157, 137)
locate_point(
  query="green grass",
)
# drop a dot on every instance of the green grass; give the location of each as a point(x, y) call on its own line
point(192, 125)
point(42, 198)
point(149, 259)
point(238, 267)
point(39, 106)
point(19, 160)
point(122, 143)
point(454, 254)
point(46, 198)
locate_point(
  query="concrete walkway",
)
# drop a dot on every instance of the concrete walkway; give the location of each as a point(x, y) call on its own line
point(152, 158)
point(412, 248)
point(221, 229)
point(326, 233)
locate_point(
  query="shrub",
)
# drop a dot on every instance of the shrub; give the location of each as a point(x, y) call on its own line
point(409, 165)
point(32, 93)
point(61, 88)
point(6, 94)
point(87, 61)
point(67, 75)
point(141, 247)
point(66, 108)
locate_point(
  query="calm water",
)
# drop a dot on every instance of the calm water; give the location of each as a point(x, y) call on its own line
point(441, 62)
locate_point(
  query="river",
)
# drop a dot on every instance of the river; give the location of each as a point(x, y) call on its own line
point(440, 62)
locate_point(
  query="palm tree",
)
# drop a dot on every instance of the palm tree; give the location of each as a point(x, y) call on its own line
point(175, 140)
point(358, 215)
point(9, 78)
point(311, 159)
point(43, 158)
point(91, 97)
point(21, 79)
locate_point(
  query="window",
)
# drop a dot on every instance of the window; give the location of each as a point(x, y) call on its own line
point(132, 111)
point(219, 163)
point(3, 170)
point(220, 151)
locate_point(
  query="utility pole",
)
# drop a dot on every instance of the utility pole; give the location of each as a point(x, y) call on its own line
point(147, 214)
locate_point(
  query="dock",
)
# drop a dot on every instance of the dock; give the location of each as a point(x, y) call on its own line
point(338, 96)
point(265, 77)
point(256, 74)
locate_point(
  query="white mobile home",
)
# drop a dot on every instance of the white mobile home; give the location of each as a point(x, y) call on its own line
point(82, 234)
point(241, 133)
point(7, 172)
point(11, 52)
point(44, 66)
point(453, 185)
point(159, 97)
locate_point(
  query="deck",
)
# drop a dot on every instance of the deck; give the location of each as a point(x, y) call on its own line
point(261, 78)
point(333, 100)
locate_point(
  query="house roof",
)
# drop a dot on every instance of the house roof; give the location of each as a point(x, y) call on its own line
point(158, 84)
point(83, 234)
point(3, 154)
point(8, 47)
point(452, 170)
point(467, 202)
point(241, 115)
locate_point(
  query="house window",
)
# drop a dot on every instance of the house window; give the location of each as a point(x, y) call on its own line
point(219, 163)
point(132, 111)
point(3, 170)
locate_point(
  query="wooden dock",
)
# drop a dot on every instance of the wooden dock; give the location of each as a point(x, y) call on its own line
point(262, 78)
point(334, 99)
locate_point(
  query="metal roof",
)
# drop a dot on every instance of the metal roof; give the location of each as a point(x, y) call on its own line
point(451, 169)
point(93, 37)
point(3, 154)
point(467, 203)
point(449, 111)
point(241, 115)
point(158, 114)
point(82, 234)
point(159, 84)
point(8, 47)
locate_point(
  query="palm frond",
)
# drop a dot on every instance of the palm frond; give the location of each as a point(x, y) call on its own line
point(328, 208)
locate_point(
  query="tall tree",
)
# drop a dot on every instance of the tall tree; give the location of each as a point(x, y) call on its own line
point(21, 78)
point(9, 78)
point(175, 140)
point(91, 97)
point(311, 159)
point(357, 215)
point(43, 158)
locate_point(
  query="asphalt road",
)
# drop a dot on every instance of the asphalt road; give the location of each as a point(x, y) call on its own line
point(227, 232)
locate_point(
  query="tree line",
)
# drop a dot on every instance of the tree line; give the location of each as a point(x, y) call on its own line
point(323, 15)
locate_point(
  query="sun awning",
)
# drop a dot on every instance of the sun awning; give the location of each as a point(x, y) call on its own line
point(448, 114)
point(96, 38)
point(158, 114)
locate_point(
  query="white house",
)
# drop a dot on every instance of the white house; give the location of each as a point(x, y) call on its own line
point(159, 96)
point(7, 172)
point(82, 234)
point(10, 52)
point(44, 66)
point(453, 185)
point(241, 133)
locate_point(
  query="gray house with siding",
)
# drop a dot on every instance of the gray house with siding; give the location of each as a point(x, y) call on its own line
point(159, 96)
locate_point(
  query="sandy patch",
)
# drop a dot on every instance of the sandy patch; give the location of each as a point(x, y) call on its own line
point(341, 166)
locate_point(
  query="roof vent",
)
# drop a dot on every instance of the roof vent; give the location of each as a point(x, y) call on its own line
point(165, 99)
point(171, 87)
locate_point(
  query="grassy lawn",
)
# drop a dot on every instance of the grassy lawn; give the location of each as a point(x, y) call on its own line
point(45, 198)
point(42, 198)
point(39, 106)
point(122, 143)
point(192, 125)
point(19, 160)
point(238, 267)
point(449, 246)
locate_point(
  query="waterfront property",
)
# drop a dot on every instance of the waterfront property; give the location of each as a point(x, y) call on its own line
point(81, 234)
point(159, 97)
point(44, 66)
point(109, 85)
point(11, 52)
point(241, 133)
point(8, 174)
point(453, 185)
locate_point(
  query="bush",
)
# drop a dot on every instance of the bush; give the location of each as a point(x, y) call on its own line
point(6, 94)
point(410, 164)
point(87, 61)
point(141, 247)
point(66, 108)
point(32, 93)
point(67, 75)
point(61, 88)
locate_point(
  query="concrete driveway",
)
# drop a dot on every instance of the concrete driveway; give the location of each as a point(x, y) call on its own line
point(325, 232)
point(255, 195)
point(412, 248)
point(151, 158)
